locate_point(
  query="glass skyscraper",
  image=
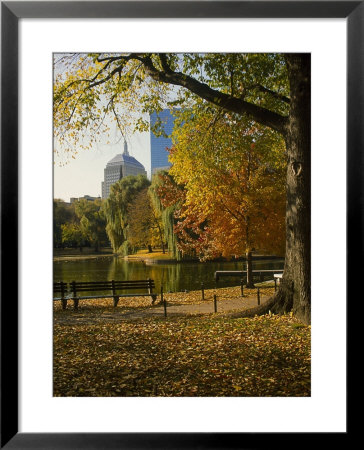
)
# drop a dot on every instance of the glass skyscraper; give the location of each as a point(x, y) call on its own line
point(159, 145)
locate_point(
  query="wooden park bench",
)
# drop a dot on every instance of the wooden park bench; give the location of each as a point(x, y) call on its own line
point(77, 287)
point(59, 287)
point(260, 274)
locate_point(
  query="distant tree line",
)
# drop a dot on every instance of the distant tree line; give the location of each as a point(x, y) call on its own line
point(79, 224)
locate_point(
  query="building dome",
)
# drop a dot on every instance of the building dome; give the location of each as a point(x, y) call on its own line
point(124, 159)
point(118, 167)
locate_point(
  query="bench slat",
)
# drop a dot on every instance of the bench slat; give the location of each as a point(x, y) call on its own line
point(103, 288)
point(59, 287)
point(85, 297)
point(92, 283)
point(109, 282)
point(131, 286)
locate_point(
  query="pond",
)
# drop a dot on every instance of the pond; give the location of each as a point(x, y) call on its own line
point(175, 277)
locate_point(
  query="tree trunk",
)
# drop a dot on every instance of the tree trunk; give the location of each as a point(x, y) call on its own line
point(249, 270)
point(150, 249)
point(295, 290)
point(161, 238)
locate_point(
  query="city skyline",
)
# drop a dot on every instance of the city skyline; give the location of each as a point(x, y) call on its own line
point(83, 174)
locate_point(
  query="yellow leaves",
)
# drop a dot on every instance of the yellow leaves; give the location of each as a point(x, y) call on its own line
point(223, 167)
point(81, 106)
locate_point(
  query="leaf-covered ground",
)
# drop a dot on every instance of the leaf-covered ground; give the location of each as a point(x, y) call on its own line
point(201, 355)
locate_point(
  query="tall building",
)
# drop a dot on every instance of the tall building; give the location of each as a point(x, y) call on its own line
point(119, 167)
point(159, 145)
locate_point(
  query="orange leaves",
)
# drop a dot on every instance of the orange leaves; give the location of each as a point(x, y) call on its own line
point(190, 356)
point(234, 183)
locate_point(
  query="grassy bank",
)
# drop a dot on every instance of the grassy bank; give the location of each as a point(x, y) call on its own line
point(142, 255)
point(210, 355)
point(73, 254)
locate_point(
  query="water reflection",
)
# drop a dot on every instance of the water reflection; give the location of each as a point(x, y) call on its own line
point(174, 277)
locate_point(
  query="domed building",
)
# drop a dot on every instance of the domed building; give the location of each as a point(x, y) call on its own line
point(119, 167)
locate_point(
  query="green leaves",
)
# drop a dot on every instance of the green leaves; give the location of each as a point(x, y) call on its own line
point(92, 221)
point(91, 90)
point(115, 208)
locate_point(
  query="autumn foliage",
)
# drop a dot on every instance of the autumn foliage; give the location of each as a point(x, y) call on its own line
point(233, 201)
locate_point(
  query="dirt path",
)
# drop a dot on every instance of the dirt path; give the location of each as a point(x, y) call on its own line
point(178, 304)
point(173, 309)
point(202, 308)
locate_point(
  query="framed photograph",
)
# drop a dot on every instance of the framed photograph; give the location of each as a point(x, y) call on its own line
point(46, 402)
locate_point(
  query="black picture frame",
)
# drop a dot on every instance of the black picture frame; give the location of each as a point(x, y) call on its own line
point(11, 12)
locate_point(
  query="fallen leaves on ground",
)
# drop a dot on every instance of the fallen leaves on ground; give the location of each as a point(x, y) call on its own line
point(190, 356)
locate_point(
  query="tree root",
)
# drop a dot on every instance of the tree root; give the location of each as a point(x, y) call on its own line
point(280, 303)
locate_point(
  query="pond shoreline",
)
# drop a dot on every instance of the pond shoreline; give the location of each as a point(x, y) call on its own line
point(82, 257)
point(174, 277)
point(151, 261)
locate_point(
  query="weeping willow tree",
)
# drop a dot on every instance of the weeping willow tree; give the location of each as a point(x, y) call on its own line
point(115, 223)
point(165, 194)
point(122, 193)
point(168, 221)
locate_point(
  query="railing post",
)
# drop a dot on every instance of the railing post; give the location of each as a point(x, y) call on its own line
point(242, 287)
point(202, 291)
point(150, 289)
point(75, 299)
point(116, 298)
point(258, 295)
point(215, 303)
point(63, 299)
point(165, 306)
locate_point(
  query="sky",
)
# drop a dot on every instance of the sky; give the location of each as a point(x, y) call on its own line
point(83, 175)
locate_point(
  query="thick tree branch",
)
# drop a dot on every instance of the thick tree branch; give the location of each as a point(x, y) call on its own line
point(233, 104)
point(274, 94)
point(164, 62)
point(238, 105)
